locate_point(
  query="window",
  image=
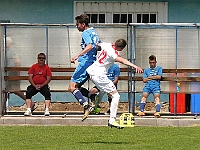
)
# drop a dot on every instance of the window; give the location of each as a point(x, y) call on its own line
point(122, 18)
point(123, 12)
point(146, 18)
point(97, 18)
point(4, 21)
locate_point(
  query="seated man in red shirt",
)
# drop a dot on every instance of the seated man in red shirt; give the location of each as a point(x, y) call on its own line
point(39, 75)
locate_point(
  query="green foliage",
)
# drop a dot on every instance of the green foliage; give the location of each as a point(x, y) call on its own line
point(98, 138)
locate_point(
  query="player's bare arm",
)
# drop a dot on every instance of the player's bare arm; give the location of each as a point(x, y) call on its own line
point(86, 49)
point(30, 79)
point(116, 80)
point(128, 63)
point(157, 77)
point(146, 79)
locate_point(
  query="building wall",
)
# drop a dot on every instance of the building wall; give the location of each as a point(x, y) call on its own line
point(61, 11)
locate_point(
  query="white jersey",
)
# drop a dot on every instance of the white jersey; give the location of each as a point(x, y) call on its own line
point(104, 60)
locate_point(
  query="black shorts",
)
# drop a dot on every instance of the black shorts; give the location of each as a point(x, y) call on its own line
point(96, 88)
point(45, 91)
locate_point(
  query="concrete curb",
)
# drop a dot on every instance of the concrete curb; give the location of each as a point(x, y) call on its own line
point(96, 120)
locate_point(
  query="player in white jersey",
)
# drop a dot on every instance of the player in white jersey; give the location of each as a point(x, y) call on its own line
point(98, 74)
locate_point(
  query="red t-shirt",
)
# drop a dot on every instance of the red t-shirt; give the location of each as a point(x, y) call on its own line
point(40, 73)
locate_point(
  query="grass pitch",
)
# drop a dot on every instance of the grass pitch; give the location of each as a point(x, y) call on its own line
point(98, 138)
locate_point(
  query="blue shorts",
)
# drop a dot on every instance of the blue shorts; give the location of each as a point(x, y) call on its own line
point(80, 74)
point(152, 90)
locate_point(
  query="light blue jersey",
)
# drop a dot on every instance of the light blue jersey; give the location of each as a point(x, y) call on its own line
point(113, 71)
point(152, 86)
point(89, 36)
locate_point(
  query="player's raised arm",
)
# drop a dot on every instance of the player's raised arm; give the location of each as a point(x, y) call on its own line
point(128, 63)
point(86, 49)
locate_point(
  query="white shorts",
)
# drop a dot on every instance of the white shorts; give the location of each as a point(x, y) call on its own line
point(103, 83)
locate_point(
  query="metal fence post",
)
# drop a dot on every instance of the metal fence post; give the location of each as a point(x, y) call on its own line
point(1, 73)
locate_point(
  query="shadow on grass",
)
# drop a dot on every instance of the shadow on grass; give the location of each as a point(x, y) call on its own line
point(101, 142)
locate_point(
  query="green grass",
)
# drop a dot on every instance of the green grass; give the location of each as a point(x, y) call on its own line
point(98, 138)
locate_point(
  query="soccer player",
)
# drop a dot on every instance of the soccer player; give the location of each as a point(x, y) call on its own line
point(86, 57)
point(151, 77)
point(98, 74)
point(113, 75)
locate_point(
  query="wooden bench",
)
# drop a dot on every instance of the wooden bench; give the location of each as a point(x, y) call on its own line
point(54, 77)
point(134, 77)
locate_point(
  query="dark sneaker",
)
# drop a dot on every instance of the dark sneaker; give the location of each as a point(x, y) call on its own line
point(108, 112)
point(97, 111)
point(87, 109)
point(115, 125)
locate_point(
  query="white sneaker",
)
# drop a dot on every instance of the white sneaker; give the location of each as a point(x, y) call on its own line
point(28, 113)
point(115, 125)
point(46, 113)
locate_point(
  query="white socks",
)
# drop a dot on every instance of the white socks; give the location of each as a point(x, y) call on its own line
point(114, 107)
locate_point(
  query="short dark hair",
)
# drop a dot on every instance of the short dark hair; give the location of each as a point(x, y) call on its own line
point(121, 43)
point(42, 54)
point(152, 57)
point(83, 18)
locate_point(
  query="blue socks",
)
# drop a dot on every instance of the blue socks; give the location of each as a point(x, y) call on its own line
point(79, 97)
point(142, 106)
point(157, 107)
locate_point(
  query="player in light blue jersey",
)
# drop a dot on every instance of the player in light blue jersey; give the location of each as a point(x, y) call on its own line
point(86, 57)
point(151, 77)
point(113, 73)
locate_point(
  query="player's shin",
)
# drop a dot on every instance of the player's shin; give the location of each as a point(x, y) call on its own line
point(142, 105)
point(114, 107)
point(157, 107)
point(98, 99)
point(80, 97)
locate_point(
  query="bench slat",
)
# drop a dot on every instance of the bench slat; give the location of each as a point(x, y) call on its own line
point(26, 78)
point(121, 91)
point(27, 68)
point(137, 78)
point(68, 69)
point(62, 78)
point(181, 70)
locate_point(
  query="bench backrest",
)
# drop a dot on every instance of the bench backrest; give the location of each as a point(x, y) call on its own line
point(190, 75)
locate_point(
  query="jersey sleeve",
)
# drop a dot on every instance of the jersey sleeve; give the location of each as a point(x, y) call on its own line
point(160, 71)
point(86, 37)
point(145, 75)
point(31, 70)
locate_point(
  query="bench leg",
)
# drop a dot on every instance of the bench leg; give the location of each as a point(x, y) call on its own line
point(6, 97)
point(195, 116)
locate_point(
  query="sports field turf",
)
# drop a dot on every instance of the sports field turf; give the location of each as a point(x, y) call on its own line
point(98, 138)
